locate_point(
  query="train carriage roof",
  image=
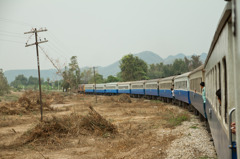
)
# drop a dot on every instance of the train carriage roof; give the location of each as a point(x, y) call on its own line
point(197, 69)
point(182, 75)
point(223, 20)
point(167, 78)
point(153, 80)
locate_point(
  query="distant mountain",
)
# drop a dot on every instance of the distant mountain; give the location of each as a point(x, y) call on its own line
point(170, 59)
point(11, 74)
point(149, 57)
point(112, 69)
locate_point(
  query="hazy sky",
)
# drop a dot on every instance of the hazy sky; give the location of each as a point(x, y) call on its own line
point(100, 32)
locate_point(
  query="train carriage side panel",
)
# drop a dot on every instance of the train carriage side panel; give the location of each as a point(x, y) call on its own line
point(89, 88)
point(124, 87)
point(181, 88)
point(195, 78)
point(138, 87)
point(165, 86)
point(111, 88)
point(218, 75)
point(152, 88)
point(100, 88)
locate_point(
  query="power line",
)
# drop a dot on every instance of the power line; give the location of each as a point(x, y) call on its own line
point(15, 21)
point(57, 51)
point(51, 60)
point(16, 36)
point(12, 41)
point(61, 43)
point(10, 32)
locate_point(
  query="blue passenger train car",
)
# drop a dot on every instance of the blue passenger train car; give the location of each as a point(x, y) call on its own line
point(138, 88)
point(165, 86)
point(100, 88)
point(111, 88)
point(89, 88)
point(195, 78)
point(124, 87)
point(181, 88)
point(152, 88)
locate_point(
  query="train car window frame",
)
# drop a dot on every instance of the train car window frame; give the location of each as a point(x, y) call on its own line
point(166, 85)
point(225, 99)
point(194, 85)
point(219, 87)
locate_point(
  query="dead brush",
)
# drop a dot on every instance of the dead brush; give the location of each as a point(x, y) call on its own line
point(54, 130)
point(96, 124)
point(110, 99)
point(124, 98)
point(28, 102)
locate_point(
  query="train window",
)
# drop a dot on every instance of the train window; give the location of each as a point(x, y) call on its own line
point(225, 102)
point(165, 85)
point(151, 86)
point(123, 87)
point(215, 76)
point(181, 85)
point(110, 87)
point(194, 84)
point(219, 84)
point(137, 86)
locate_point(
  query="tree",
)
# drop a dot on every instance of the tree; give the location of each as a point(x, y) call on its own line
point(196, 61)
point(33, 81)
point(179, 67)
point(99, 79)
point(86, 75)
point(71, 74)
point(156, 71)
point(4, 87)
point(112, 79)
point(19, 82)
point(133, 68)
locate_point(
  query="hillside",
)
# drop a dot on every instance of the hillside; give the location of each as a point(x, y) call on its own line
point(112, 69)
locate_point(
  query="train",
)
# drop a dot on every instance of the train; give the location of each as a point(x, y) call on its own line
point(221, 71)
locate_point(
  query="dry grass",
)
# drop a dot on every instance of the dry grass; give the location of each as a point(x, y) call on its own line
point(124, 98)
point(114, 128)
point(54, 130)
point(29, 102)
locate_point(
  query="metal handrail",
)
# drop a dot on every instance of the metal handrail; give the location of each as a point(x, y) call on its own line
point(229, 126)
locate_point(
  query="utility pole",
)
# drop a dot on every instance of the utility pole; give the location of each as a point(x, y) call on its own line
point(95, 83)
point(35, 31)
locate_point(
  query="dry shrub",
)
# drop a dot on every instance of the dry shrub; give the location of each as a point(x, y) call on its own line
point(11, 109)
point(95, 123)
point(124, 98)
point(110, 99)
point(57, 98)
point(56, 129)
point(29, 101)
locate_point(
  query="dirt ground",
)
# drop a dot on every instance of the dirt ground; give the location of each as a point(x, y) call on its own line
point(116, 128)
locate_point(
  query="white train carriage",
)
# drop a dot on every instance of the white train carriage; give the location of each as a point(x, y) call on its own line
point(124, 87)
point(112, 88)
point(196, 77)
point(152, 88)
point(138, 88)
point(89, 88)
point(100, 88)
point(219, 75)
point(236, 67)
point(165, 85)
point(181, 88)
